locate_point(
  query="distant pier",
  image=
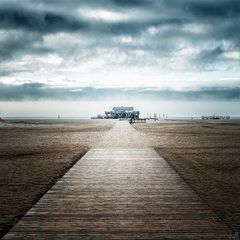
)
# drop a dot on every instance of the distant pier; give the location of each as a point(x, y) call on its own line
point(215, 117)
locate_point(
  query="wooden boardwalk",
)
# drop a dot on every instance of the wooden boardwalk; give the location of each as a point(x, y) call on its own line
point(120, 193)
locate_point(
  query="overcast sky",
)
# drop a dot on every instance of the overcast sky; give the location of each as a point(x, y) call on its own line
point(92, 49)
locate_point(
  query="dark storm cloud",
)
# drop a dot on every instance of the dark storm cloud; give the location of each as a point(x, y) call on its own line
point(38, 21)
point(209, 55)
point(132, 3)
point(15, 14)
point(49, 22)
point(21, 43)
point(37, 91)
point(219, 9)
point(221, 17)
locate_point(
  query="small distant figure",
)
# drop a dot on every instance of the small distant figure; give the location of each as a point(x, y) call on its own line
point(58, 116)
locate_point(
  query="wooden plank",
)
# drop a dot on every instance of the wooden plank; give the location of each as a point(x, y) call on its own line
point(121, 193)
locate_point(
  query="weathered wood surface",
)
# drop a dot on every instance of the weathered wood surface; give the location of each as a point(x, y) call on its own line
point(121, 193)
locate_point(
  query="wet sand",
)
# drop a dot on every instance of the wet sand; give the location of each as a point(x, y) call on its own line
point(35, 154)
point(207, 156)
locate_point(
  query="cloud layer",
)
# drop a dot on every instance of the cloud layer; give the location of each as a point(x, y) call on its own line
point(72, 43)
point(35, 91)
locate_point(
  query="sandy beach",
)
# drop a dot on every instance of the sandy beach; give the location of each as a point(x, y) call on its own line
point(207, 156)
point(34, 154)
